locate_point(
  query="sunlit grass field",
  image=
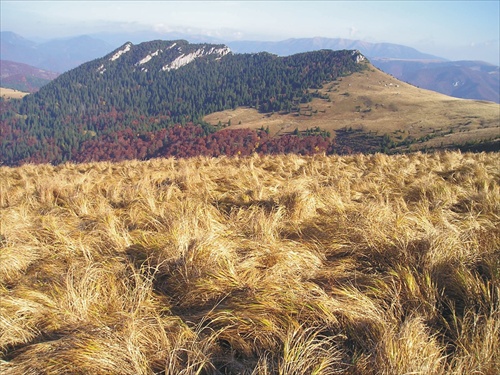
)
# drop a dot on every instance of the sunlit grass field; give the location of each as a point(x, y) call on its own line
point(376, 103)
point(363, 264)
point(7, 93)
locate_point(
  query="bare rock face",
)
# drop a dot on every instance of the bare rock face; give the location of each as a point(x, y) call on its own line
point(160, 55)
point(358, 56)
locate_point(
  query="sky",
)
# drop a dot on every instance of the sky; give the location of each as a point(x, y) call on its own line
point(456, 30)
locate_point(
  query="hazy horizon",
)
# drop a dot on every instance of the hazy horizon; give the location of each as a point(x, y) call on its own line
point(455, 30)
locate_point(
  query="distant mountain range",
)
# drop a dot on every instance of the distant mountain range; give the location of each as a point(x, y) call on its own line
point(463, 79)
point(370, 50)
point(58, 55)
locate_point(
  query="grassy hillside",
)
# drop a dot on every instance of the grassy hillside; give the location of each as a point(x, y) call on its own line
point(261, 265)
point(7, 93)
point(373, 104)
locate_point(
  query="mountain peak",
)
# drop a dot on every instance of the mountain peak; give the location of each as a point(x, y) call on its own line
point(13, 38)
point(358, 56)
point(126, 47)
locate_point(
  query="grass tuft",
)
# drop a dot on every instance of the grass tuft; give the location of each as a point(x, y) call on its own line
point(362, 264)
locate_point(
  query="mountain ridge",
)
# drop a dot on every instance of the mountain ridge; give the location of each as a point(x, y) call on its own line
point(392, 58)
point(152, 99)
point(63, 56)
point(171, 51)
point(298, 45)
point(130, 92)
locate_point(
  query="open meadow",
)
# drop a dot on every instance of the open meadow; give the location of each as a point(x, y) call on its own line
point(6, 93)
point(373, 103)
point(360, 264)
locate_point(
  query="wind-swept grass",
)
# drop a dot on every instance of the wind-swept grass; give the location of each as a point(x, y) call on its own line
point(261, 265)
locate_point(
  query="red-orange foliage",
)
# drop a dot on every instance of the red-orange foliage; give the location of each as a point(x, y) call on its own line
point(190, 140)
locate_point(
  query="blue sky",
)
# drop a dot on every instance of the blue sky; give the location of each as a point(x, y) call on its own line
point(452, 29)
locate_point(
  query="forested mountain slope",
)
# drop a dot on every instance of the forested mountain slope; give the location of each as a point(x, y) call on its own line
point(371, 111)
point(138, 90)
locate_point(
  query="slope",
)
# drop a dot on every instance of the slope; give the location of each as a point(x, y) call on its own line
point(143, 89)
point(420, 69)
point(23, 77)
point(374, 104)
point(7, 93)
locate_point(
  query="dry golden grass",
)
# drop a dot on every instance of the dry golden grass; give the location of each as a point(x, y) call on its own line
point(7, 93)
point(261, 265)
point(377, 103)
